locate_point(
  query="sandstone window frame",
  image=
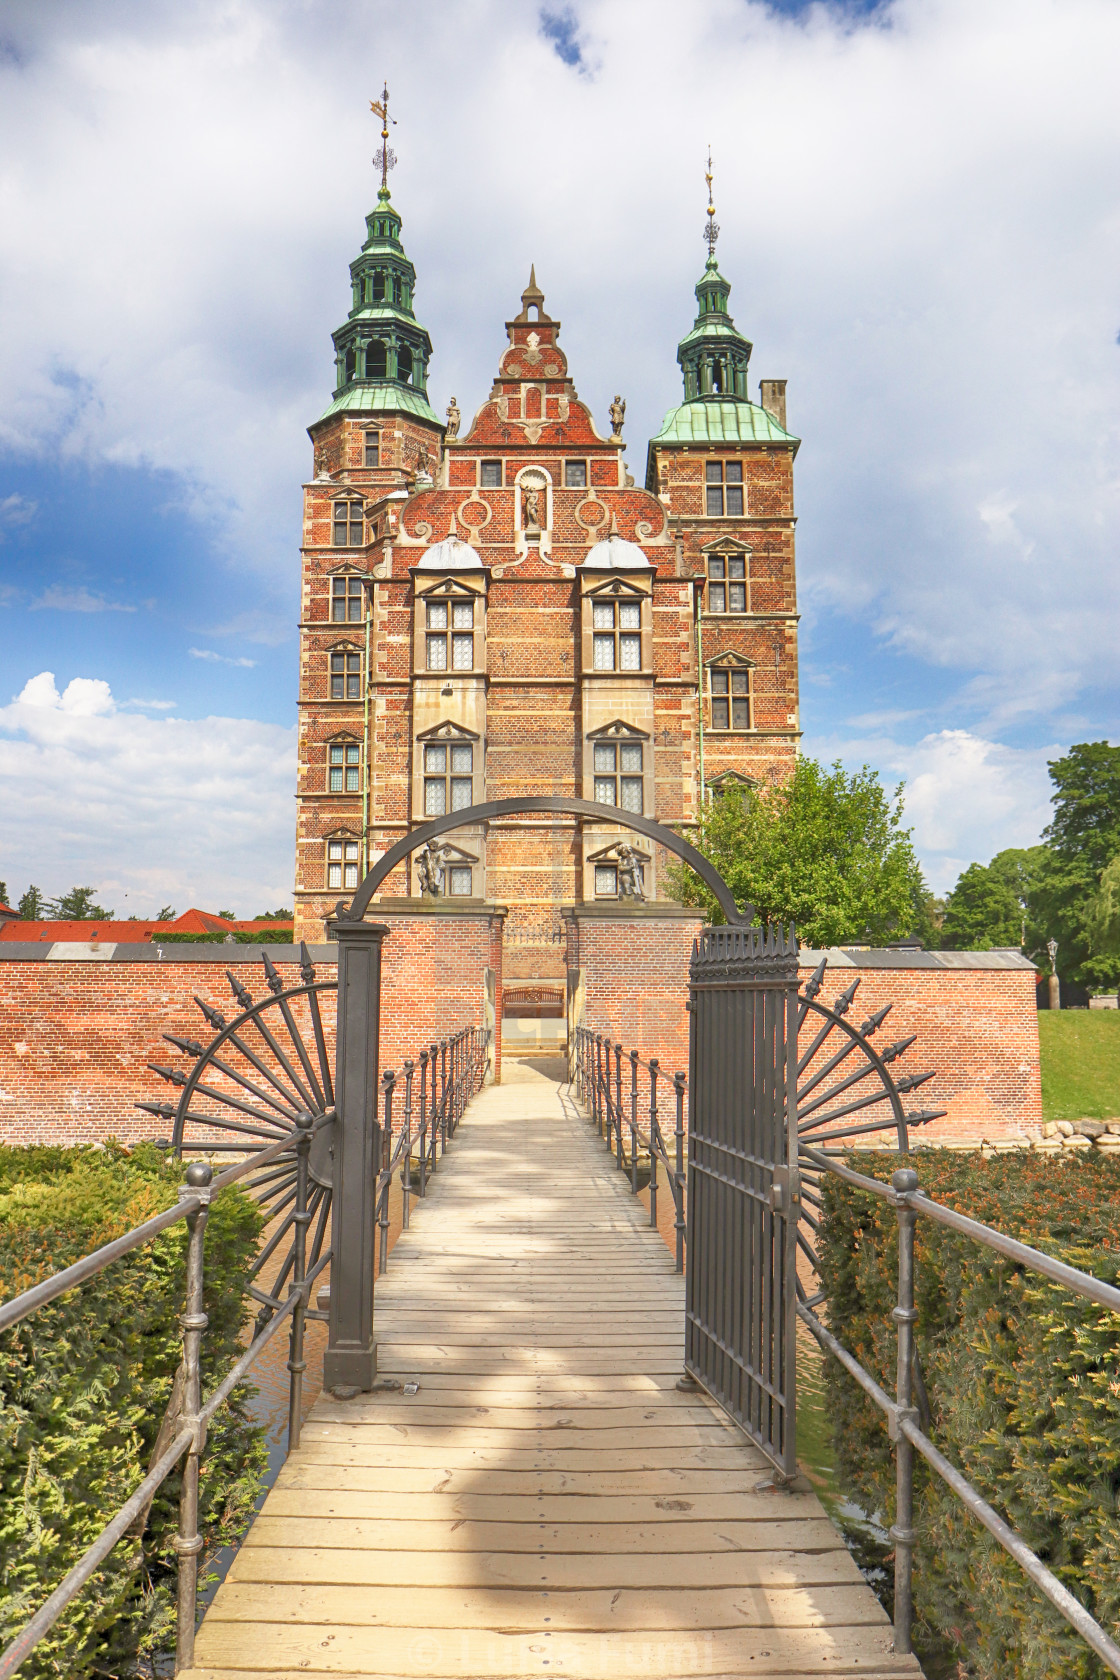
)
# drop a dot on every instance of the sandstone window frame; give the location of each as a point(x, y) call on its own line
point(575, 475)
point(344, 671)
point(344, 764)
point(609, 650)
point(449, 638)
point(731, 696)
point(342, 860)
point(725, 490)
point(348, 522)
point(371, 449)
point(347, 597)
point(452, 755)
point(619, 768)
point(490, 475)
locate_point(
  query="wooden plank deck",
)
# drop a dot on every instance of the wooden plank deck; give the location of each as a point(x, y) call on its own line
point(548, 1499)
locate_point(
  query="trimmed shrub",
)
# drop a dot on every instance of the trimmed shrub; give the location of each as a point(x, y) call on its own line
point(1024, 1388)
point(84, 1384)
point(240, 936)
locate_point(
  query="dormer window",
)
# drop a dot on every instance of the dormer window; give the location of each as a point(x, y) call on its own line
point(346, 600)
point(347, 525)
point(723, 489)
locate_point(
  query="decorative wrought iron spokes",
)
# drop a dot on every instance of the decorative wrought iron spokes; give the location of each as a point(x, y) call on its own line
point(846, 1089)
point(259, 1074)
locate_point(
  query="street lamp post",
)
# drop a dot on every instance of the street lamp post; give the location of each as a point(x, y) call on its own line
point(1055, 988)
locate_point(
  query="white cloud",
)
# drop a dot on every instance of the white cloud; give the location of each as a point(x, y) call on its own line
point(59, 598)
point(220, 658)
point(966, 797)
point(162, 809)
point(152, 705)
point(16, 510)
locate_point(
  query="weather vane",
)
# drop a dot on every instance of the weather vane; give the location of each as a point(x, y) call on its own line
point(384, 158)
point(711, 232)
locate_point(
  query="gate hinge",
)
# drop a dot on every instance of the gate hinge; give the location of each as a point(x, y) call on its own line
point(785, 1191)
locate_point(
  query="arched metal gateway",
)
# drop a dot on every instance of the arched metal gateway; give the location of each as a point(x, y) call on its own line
point(773, 1074)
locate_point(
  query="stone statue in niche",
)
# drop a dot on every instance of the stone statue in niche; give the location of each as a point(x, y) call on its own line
point(629, 873)
point(431, 869)
point(531, 510)
point(453, 419)
point(618, 419)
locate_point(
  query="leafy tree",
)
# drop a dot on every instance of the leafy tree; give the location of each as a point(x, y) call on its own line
point(1084, 838)
point(165, 914)
point(825, 850)
point(280, 915)
point(79, 905)
point(991, 905)
point(32, 905)
point(228, 915)
point(3, 892)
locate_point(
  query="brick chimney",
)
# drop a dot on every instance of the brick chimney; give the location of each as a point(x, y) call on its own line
point(773, 395)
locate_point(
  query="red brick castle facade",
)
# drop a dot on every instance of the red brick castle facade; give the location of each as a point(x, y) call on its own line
point(506, 612)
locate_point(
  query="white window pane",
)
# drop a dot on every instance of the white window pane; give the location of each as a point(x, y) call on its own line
point(604, 653)
point(630, 650)
point(351, 850)
point(435, 760)
point(437, 615)
point(334, 875)
point(462, 615)
point(336, 755)
point(604, 790)
point(741, 710)
point(714, 502)
point(351, 876)
point(353, 780)
point(460, 882)
point(437, 653)
point(632, 757)
point(336, 780)
point(738, 594)
point(461, 792)
point(353, 754)
point(435, 798)
point(734, 501)
point(629, 615)
point(606, 880)
point(334, 848)
point(717, 597)
point(632, 793)
point(462, 653)
point(720, 716)
point(602, 615)
point(737, 567)
point(604, 757)
point(462, 760)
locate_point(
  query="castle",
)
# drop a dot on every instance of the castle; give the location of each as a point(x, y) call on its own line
point(494, 608)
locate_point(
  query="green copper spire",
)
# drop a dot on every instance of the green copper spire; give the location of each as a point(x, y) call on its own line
point(382, 351)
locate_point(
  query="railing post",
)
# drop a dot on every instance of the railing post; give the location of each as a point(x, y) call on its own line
point(433, 1129)
point(351, 1358)
point(902, 1530)
point(443, 1095)
point(654, 1133)
point(422, 1137)
point(617, 1097)
point(388, 1081)
point(599, 1083)
point(406, 1150)
point(297, 1365)
point(679, 1178)
point(634, 1122)
point(188, 1541)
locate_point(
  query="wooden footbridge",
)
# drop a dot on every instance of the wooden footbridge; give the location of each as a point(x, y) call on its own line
point(547, 1501)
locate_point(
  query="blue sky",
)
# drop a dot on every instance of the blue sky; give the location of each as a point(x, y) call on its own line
point(919, 205)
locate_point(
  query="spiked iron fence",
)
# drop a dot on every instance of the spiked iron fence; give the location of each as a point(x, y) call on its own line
point(621, 1091)
point(252, 1069)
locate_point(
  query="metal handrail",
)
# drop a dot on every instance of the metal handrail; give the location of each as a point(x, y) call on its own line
point(463, 1061)
point(601, 1090)
point(902, 1416)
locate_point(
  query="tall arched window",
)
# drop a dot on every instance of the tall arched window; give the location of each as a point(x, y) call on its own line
point(378, 287)
point(404, 364)
point(377, 359)
point(351, 363)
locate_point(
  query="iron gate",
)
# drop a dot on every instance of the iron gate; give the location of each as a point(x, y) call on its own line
point(742, 1181)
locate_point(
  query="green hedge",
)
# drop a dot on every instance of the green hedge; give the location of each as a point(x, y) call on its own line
point(282, 936)
point(1024, 1386)
point(84, 1384)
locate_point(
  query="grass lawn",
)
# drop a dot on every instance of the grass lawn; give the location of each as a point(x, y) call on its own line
point(1080, 1063)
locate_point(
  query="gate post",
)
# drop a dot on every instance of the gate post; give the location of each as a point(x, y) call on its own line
point(351, 1357)
point(743, 1190)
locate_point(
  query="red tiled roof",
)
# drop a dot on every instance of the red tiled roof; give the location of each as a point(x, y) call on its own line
point(131, 933)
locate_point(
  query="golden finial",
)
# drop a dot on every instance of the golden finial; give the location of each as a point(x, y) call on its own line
point(711, 232)
point(384, 158)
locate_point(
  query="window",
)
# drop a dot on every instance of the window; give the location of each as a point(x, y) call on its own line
point(616, 635)
point(404, 364)
point(346, 600)
point(349, 525)
point(457, 619)
point(731, 699)
point(377, 359)
point(460, 877)
point(618, 774)
point(490, 475)
point(606, 880)
point(346, 676)
point(724, 489)
point(448, 777)
point(345, 768)
point(575, 475)
point(342, 865)
point(727, 584)
point(371, 454)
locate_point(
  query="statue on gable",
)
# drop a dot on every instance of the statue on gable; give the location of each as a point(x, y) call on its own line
point(454, 418)
point(431, 869)
point(629, 873)
point(531, 507)
point(618, 419)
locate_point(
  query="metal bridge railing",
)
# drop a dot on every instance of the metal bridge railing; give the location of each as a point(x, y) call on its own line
point(607, 1079)
point(903, 1416)
point(451, 1073)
